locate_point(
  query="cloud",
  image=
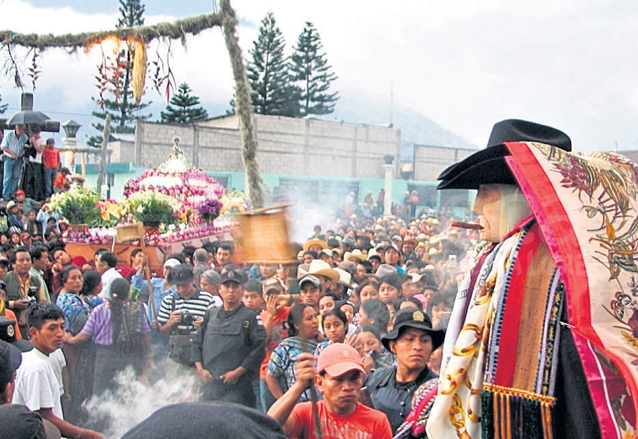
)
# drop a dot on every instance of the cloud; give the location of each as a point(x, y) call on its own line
point(465, 64)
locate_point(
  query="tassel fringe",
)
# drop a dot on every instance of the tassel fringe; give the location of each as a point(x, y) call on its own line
point(516, 414)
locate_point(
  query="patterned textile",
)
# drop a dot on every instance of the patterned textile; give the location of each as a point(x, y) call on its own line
point(500, 359)
point(383, 358)
point(587, 208)
point(422, 401)
point(72, 304)
point(283, 359)
point(504, 315)
point(99, 324)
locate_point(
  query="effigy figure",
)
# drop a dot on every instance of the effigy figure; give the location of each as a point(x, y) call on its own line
point(540, 342)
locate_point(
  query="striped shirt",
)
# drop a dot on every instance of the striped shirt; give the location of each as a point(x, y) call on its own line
point(196, 305)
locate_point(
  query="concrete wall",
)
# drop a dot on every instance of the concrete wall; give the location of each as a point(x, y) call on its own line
point(331, 156)
point(309, 147)
point(429, 161)
point(123, 152)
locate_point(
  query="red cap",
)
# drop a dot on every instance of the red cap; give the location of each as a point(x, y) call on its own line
point(19, 192)
point(339, 358)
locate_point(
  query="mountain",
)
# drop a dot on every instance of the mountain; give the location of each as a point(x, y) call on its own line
point(415, 127)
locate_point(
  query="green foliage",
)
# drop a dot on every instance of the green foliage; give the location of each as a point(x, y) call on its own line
point(311, 72)
point(267, 73)
point(152, 208)
point(131, 14)
point(78, 205)
point(182, 107)
point(3, 107)
point(122, 107)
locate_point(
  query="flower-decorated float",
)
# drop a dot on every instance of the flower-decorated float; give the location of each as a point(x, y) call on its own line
point(177, 205)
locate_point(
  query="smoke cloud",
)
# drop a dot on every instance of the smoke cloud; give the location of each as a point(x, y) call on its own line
point(116, 412)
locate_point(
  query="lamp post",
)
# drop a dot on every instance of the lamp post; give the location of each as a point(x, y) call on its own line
point(71, 129)
point(388, 168)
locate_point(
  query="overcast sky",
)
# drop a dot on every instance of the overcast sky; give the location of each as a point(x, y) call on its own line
point(466, 64)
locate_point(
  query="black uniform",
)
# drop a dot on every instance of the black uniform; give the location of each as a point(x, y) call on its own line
point(394, 398)
point(224, 341)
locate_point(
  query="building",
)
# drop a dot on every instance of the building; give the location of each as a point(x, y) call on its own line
point(314, 158)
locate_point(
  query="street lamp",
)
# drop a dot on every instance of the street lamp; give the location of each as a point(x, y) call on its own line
point(71, 128)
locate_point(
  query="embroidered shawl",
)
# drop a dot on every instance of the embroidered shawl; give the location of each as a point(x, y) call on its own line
point(586, 225)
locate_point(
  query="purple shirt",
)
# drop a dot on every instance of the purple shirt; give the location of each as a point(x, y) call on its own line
point(98, 325)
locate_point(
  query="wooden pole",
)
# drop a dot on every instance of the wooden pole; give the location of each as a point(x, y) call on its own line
point(243, 106)
point(313, 399)
point(105, 142)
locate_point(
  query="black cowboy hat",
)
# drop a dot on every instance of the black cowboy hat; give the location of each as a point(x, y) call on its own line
point(413, 318)
point(488, 165)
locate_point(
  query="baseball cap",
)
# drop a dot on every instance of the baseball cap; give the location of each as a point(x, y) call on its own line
point(172, 262)
point(181, 274)
point(273, 283)
point(232, 276)
point(310, 278)
point(339, 358)
point(19, 192)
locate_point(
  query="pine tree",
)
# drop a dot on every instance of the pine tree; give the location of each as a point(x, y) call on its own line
point(3, 107)
point(268, 75)
point(180, 109)
point(311, 71)
point(123, 109)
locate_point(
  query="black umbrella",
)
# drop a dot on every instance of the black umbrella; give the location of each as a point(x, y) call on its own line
point(27, 117)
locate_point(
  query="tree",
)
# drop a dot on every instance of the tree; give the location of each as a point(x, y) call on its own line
point(3, 107)
point(310, 70)
point(116, 79)
point(272, 92)
point(180, 109)
point(225, 18)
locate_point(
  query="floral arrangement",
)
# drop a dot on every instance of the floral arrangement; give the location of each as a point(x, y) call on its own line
point(166, 234)
point(152, 208)
point(111, 212)
point(209, 209)
point(183, 185)
point(235, 201)
point(79, 205)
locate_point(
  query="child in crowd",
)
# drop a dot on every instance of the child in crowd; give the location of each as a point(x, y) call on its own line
point(350, 311)
point(376, 356)
point(410, 302)
point(335, 327)
point(62, 182)
point(253, 298)
point(274, 319)
point(51, 161)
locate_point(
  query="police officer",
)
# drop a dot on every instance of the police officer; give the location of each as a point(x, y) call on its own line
point(229, 346)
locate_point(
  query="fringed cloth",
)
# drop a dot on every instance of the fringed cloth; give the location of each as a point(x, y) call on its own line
point(586, 207)
point(498, 380)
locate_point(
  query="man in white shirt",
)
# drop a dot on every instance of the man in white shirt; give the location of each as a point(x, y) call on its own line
point(36, 385)
point(105, 265)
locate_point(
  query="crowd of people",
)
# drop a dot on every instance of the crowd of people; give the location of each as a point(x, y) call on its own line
point(32, 164)
point(384, 327)
point(241, 330)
